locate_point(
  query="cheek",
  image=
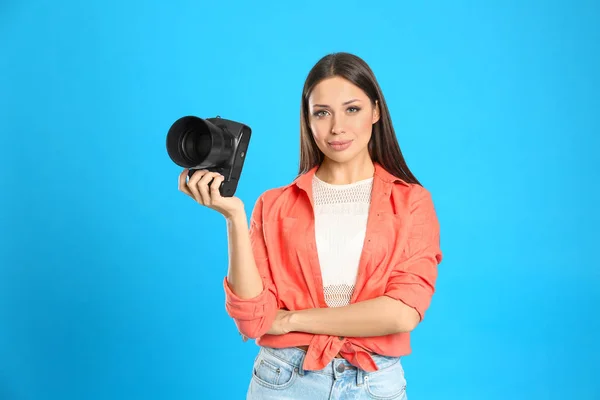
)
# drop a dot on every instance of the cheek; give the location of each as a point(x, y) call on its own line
point(362, 126)
point(319, 130)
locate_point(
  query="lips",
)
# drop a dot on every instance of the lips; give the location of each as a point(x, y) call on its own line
point(340, 145)
point(339, 142)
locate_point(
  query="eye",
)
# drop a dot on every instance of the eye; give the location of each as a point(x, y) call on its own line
point(320, 113)
point(353, 109)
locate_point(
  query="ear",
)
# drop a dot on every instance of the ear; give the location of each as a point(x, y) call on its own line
point(376, 112)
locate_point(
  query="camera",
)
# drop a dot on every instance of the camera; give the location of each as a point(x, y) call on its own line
point(214, 144)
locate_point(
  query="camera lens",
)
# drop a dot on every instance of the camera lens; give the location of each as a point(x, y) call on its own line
point(195, 146)
point(193, 142)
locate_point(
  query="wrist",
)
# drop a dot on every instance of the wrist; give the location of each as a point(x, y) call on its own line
point(236, 218)
point(293, 321)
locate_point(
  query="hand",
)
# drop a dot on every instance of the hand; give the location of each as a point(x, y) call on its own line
point(282, 324)
point(208, 195)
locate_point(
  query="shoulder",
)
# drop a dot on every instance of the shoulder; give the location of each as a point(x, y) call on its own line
point(274, 199)
point(410, 193)
point(402, 192)
point(414, 202)
point(270, 196)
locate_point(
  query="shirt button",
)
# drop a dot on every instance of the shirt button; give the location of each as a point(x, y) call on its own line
point(341, 338)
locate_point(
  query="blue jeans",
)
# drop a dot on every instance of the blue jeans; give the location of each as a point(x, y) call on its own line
point(278, 374)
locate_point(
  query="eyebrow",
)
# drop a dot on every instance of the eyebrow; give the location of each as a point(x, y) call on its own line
point(345, 103)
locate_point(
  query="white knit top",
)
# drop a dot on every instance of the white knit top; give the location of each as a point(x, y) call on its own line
point(341, 213)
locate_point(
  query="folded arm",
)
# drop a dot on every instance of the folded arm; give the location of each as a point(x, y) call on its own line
point(407, 294)
point(376, 317)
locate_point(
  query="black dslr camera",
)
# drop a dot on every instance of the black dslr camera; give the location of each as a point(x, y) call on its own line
point(214, 144)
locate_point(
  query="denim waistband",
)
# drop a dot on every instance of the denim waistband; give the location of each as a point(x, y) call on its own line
point(295, 357)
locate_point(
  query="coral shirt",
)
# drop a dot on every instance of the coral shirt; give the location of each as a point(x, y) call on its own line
point(399, 259)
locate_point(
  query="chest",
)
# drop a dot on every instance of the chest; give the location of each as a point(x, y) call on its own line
point(306, 244)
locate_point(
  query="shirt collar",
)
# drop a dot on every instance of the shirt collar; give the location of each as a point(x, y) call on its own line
point(304, 181)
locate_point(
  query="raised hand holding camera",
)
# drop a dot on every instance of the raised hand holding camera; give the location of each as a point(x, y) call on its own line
point(214, 144)
point(212, 151)
point(203, 186)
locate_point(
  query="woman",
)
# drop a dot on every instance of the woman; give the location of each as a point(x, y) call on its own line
point(337, 268)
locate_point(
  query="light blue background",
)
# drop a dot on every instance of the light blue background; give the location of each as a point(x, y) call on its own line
point(110, 279)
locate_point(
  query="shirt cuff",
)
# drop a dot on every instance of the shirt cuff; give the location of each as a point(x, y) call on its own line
point(415, 297)
point(245, 309)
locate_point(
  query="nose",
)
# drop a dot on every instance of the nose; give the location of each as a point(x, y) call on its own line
point(337, 127)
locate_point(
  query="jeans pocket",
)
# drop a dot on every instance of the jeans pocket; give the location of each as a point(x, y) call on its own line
point(273, 373)
point(387, 384)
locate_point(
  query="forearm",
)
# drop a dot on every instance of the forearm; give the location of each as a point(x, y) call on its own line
point(243, 277)
point(376, 317)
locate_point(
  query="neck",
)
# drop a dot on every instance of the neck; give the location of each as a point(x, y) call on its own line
point(345, 173)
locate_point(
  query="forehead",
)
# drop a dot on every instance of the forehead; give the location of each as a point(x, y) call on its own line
point(336, 90)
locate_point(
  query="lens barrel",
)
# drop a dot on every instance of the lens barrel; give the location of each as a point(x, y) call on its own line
point(195, 142)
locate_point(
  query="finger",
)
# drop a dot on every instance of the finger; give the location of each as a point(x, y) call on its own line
point(203, 187)
point(215, 194)
point(193, 185)
point(183, 184)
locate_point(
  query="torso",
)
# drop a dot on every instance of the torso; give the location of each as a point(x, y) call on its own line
point(341, 213)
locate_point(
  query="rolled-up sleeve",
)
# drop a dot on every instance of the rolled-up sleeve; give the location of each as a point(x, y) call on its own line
point(412, 281)
point(253, 317)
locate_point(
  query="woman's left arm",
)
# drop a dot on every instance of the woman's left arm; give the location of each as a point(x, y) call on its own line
point(376, 317)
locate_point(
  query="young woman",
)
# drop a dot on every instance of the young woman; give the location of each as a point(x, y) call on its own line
point(337, 268)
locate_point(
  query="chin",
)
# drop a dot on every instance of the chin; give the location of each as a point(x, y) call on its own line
point(341, 157)
point(356, 151)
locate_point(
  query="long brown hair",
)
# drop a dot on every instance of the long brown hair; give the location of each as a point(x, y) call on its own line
point(383, 146)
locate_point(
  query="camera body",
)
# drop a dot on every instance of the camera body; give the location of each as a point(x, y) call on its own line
point(213, 144)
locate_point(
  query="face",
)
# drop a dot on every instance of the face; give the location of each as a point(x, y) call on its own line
point(341, 118)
